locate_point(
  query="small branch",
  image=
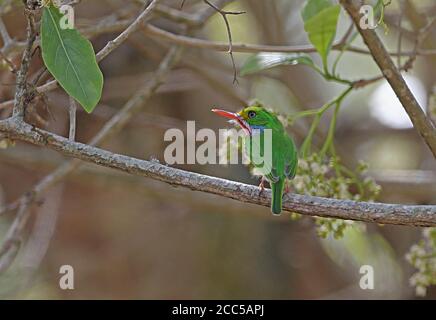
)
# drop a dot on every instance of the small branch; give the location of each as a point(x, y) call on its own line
point(130, 109)
point(423, 33)
point(347, 34)
point(175, 15)
point(161, 34)
point(204, 15)
point(421, 123)
point(12, 240)
point(4, 34)
point(135, 25)
point(219, 46)
point(42, 232)
point(400, 33)
point(155, 32)
point(21, 93)
point(229, 33)
point(109, 24)
point(72, 110)
point(357, 84)
point(133, 106)
point(397, 214)
point(103, 53)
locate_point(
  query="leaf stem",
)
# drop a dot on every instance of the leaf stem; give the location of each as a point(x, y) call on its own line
point(305, 148)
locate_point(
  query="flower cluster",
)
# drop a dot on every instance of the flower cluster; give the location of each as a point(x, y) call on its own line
point(422, 256)
point(329, 178)
point(320, 176)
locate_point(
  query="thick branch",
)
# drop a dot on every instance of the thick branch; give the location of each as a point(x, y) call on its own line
point(421, 123)
point(308, 205)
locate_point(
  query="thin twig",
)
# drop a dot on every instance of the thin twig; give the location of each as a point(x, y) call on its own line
point(21, 93)
point(400, 33)
point(113, 44)
point(4, 33)
point(130, 109)
point(12, 240)
point(219, 46)
point(72, 110)
point(116, 123)
point(63, 170)
point(42, 232)
point(256, 48)
point(229, 34)
point(347, 34)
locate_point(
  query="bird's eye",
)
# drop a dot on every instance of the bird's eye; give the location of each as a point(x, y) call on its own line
point(251, 114)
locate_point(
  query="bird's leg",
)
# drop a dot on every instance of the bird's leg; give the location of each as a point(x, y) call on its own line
point(261, 185)
point(287, 187)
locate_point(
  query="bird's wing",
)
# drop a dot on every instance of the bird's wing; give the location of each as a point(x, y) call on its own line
point(273, 176)
point(291, 170)
point(258, 159)
point(291, 159)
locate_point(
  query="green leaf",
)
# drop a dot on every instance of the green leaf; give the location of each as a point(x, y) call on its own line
point(70, 58)
point(266, 60)
point(312, 8)
point(320, 21)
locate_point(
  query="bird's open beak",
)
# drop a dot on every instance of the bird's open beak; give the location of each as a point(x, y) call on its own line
point(235, 117)
point(226, 114)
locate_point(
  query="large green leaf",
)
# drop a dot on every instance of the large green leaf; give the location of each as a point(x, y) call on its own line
point(266, 60)
point(320, 21)
point(70, 58)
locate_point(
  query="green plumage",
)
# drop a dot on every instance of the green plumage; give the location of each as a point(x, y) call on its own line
point(268, 147)
point(277, 194)
point(282, 164)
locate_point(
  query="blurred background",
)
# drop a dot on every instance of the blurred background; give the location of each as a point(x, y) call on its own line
point(133, 238)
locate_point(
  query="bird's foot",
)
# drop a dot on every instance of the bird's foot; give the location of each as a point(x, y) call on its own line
point(262, 186)
point(287, 187)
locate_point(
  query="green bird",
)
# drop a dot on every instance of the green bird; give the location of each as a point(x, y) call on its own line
point(282, 163)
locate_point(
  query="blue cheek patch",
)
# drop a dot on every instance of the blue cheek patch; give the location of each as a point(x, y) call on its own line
point(257, 129)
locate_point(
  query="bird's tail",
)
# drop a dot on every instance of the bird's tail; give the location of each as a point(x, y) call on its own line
point(277, 195)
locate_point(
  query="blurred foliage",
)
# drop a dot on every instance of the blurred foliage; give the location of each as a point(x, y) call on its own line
point(132, 239)
point(323, 177)
point(423, 257)
point(321, 173)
